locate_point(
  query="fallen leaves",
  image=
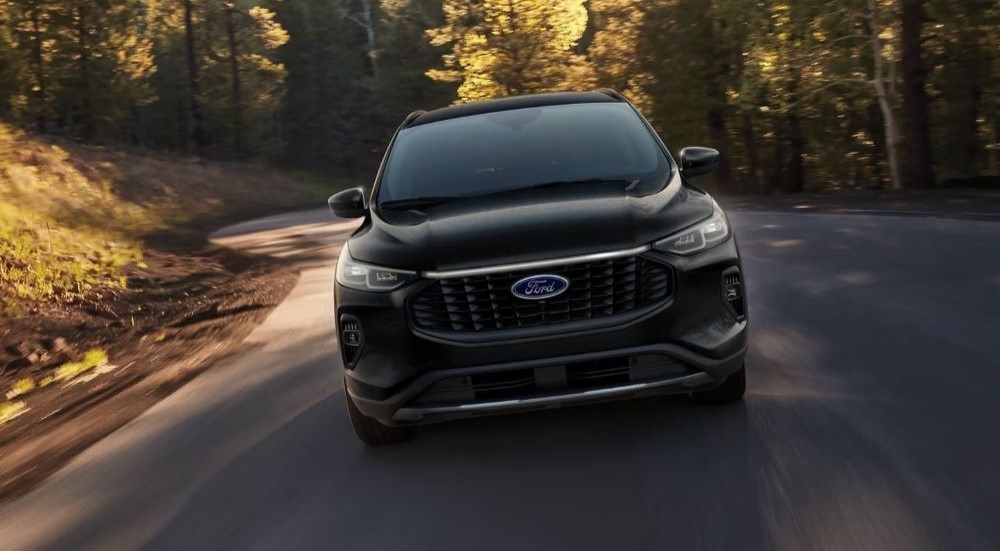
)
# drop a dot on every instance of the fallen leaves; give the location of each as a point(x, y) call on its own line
point(10, 410)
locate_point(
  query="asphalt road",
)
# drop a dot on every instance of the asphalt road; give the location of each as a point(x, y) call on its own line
point(872, 422)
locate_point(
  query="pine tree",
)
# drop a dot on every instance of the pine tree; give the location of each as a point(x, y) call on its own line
point(509, 47)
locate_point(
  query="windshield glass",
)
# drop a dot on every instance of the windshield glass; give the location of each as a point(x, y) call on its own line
point(507, 150)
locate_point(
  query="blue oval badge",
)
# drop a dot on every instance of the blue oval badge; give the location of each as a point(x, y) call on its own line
point(539, 287)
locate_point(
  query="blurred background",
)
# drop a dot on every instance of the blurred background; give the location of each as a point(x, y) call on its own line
point(803, 95)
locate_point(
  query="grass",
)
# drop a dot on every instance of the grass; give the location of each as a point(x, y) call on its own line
point(72, 216)
point(49, 245)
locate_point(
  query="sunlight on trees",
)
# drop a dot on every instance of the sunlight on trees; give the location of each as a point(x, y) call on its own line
point(810, 94)
point(509, 47)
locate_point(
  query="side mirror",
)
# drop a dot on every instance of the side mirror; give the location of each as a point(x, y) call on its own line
point(698, 161)
point(349, 203)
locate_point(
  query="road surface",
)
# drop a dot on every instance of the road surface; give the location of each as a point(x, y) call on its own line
point(872, 422)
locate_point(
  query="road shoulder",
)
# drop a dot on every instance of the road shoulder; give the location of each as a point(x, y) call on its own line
point(959, 204)
point(185, 309)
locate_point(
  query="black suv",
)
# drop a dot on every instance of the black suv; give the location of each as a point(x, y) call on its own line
point(533, 252)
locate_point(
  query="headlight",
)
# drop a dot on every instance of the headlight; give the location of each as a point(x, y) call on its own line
point(701, 236)
point(365, 277)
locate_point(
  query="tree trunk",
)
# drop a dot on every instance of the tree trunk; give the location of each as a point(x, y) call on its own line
point(960, 158)
point(196, 127)
point(916, 117)
point(878, 81)
point(796, 142)
point(369, 26)
point(367, 23)
point(753, 163)
point(993, 153)
point(777, 158)
point(796, 152)
point(86, 99)
point(717, 131)
point(38, 67)
point(874, 127)
point(234, 75)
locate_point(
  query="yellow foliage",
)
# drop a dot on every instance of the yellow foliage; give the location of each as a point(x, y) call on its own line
point(506, 47)
point(272, 33)
point(614, 62)
point(93, 358)
point(21, 387)
point(10, 410)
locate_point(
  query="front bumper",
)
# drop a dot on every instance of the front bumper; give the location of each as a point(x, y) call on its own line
point(696, 336)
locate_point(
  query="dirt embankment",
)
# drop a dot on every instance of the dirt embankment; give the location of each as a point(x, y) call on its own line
point(125, 349)
point(110, 298)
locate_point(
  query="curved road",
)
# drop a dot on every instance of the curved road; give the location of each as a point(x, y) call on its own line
point(872, 422)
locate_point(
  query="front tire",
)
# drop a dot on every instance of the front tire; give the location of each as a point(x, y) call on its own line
point(731, 390)
point(370, 430)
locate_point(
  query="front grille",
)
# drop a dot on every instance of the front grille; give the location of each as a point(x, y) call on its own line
point(596, 290)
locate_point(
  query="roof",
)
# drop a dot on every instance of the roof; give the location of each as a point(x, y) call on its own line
point(507, 104)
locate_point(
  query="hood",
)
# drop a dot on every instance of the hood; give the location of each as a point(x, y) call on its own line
point(527, 226)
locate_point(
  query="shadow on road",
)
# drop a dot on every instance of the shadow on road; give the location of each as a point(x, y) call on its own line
point(606, 476)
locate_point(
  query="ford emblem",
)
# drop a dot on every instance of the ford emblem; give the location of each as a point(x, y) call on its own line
point(539, 287)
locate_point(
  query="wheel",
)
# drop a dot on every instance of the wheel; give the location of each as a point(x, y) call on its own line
point(369, 430)
point(731, 390)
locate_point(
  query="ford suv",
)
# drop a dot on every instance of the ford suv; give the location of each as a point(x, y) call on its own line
point(534, 252)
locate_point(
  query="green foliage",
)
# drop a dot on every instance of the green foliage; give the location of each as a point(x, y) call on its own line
point(33, 268)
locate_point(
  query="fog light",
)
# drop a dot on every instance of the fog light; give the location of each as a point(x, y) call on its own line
point(352, 339)
point(732, 292)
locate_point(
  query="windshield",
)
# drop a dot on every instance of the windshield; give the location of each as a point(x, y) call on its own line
point(508, 150)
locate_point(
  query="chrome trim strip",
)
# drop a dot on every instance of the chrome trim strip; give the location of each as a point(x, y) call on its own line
point(346, 252)
point(416, 413)
point(537, 263)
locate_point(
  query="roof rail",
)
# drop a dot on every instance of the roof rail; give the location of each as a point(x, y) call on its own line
point(612, 93)
point(412, 117)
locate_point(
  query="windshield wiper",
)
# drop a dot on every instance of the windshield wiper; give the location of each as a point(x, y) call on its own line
point(415, 203)
point(559, 183)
